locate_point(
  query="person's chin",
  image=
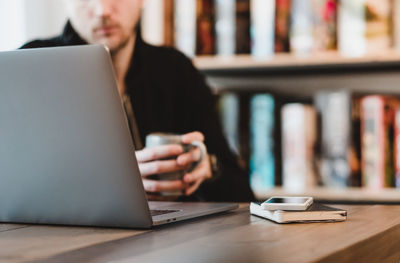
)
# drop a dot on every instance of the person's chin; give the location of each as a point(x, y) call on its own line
point(111, 43)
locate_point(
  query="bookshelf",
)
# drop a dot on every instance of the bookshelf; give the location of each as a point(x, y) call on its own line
point(303, 76)
point(326, 54)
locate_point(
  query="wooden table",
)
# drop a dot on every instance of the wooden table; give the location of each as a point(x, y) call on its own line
point(370, 234)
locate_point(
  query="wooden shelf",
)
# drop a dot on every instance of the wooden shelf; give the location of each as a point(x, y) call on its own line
point(240, 62)
point(287, 74)
point(354, 195)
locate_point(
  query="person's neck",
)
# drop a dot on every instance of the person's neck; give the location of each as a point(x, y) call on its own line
point(121, 61)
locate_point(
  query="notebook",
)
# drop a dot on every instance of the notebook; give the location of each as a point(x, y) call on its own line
point(315, 213)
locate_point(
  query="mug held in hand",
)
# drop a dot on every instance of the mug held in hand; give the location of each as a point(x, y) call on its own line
point(157, 139)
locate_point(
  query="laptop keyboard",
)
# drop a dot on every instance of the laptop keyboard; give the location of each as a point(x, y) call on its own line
point(162, 212)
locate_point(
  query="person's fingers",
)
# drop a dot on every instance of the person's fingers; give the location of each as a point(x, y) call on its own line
point(160, 167)
point(201, 172)
point(191, 189)
point(189, 157)
point(158, 152)
point(195, 175)
point(152, 186)
point(193, 136)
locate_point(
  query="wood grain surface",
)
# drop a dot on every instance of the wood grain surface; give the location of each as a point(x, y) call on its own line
point(370, 234)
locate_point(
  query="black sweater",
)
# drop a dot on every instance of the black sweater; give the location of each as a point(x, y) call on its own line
point(170, 95)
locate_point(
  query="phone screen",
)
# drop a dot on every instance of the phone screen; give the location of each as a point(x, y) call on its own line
point(293, 200)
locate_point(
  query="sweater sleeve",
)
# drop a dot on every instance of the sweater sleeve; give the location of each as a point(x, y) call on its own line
point(232, 182)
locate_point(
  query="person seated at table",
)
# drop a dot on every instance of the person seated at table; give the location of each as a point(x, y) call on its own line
point(166, 94)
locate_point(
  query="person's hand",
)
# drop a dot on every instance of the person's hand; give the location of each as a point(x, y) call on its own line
point(151, 163)
point(202, 171)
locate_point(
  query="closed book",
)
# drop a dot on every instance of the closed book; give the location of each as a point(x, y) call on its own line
point(315, 213)
point(205, 27)
point(229, 112)
point(282, 26)
point(334, 108)
point(225, 26)
point(378, 25)
point(262, 28)
point(262, 160)
point(185, 26)
point(152, 22)
point(377, 118)
point(242, 29)
point(301, 31)
point(325, 21)
point(396, 24)
point(299, 135)
point(355, 151)
point(351, 28)
point(169, 31)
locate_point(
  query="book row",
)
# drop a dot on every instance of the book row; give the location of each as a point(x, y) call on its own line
point(264, 27)
point(336, 139)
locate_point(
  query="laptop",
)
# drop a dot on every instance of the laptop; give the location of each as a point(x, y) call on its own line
point(66, 152)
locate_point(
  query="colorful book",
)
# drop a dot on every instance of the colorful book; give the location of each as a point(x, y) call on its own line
point(299, 136)
point(325, 20)
point(262, 28)
point(378, 25)
point(282, 26)
point(355, 150)
point(205, 27)
point(301, 30)
point(152, 22)
point(377, 118)
point(225, 20)
point(185, 26)
point(169, 38)
point(351, 28)
point(242, 27)
point(262, 161)
point(334, 108)
point(396, 24)
point(229, 112)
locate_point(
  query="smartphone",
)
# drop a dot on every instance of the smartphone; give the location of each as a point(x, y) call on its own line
point(287, 203)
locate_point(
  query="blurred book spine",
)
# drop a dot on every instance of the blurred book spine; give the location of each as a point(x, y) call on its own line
point(262, 164)
point(377, 118)
point(301, 31)
point(185, 26)
point(229, 111)
point(262, 28)
point(325, 20)
point(205, 27)
point(396, 24)
point(378, 25)
point(225, 25)
point(153, 22)
point(282, 26)
point(242, 27)
point(351, 28)
point(299, 135)
point(334, 108)
point(169, 32)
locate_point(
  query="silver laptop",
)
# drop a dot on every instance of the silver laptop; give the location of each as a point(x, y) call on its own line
point(66, 152)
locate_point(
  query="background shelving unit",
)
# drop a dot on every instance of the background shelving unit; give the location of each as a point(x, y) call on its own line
point(303, 76)
point(200, 27)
